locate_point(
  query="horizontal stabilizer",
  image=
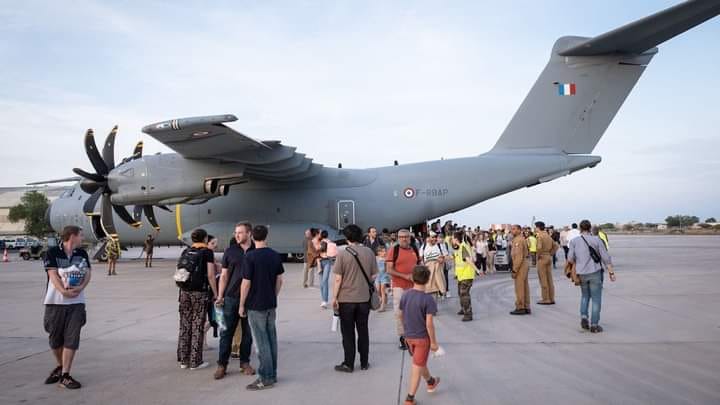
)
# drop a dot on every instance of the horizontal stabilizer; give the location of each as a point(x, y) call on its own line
point(646, 33)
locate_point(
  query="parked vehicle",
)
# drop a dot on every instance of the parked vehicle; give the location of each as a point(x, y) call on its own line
point(36, 249)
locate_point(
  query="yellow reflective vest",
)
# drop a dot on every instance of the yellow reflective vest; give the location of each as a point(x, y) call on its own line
point(532, 244)
point(463, 270)
point(603, 236)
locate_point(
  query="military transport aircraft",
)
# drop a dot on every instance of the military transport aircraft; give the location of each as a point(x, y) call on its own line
point(219, 176)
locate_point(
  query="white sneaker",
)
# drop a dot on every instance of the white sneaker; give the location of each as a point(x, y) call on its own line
point(323, 305)
point(202, 365)
point(447, 295)
point(183, 366)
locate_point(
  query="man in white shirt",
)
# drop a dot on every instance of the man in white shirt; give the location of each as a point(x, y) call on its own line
point(68, 271)
point(573, 233)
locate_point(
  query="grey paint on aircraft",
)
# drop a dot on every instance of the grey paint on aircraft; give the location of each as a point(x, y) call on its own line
point(232, 177)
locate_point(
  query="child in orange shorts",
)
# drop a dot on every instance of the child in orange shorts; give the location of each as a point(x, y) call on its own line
point(417, 309)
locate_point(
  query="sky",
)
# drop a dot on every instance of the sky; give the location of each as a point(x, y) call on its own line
point(362, 83)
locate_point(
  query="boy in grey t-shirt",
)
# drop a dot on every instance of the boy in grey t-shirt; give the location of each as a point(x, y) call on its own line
point(417, 309)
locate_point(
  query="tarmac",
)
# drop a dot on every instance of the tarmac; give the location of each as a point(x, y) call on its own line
point(661, 343)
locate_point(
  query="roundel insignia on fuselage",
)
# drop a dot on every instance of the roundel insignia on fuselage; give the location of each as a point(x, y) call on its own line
point(409, 192)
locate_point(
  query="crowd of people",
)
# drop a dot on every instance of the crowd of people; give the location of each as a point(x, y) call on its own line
point(366, 271)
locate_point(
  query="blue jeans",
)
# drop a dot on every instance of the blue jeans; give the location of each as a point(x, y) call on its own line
point(326, 266)
point(232, 318)
point(262, 324)
point(591, 286)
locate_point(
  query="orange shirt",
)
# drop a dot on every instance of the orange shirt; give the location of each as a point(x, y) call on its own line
point(406, 261)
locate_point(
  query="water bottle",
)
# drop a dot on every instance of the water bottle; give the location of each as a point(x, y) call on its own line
point(220, 318)
point(335, 320)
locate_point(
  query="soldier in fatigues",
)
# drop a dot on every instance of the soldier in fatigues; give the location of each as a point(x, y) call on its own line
point(520, 268)
point(545, 251)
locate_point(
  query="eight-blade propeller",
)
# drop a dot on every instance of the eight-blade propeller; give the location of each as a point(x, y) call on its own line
point(96, 184)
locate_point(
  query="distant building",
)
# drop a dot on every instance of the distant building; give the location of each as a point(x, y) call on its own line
point(10, 197)
point(662, 227)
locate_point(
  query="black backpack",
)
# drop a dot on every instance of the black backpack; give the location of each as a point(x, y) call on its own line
point(191, 260)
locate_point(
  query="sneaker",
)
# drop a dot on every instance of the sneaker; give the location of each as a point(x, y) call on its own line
point(461, 312)
point(219, 373)
point(596, 329)
point(200, 366)
point(343, 368)
point(584, 324)
point(182, 366)
point(403, 344)
point(432, 384)
point(447, 295)
point(259, 385)
point(70, 383)
point(410, 400)
point(323, 305)
point(54, 376)
point(467, 318)
point(518, 312)
point(364, 367)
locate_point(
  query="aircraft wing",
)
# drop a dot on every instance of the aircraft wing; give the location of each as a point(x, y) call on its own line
point(208, 138)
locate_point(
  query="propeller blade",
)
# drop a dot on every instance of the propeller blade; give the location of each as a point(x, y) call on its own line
point(125, 216)
point(137, 213)
point(92, 151)
point(106, 218)
point(137, 153)
point(90, 186)
point(90, 176)
point(89, 206)
point(164, 208)
point(150, 215)
point(108, 153)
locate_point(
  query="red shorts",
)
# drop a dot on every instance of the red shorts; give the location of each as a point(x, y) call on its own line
point(420, 350)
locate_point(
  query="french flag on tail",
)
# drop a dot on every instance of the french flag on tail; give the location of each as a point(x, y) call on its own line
point(566, 89)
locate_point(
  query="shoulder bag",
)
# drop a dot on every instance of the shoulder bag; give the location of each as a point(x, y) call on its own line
point(374, 298)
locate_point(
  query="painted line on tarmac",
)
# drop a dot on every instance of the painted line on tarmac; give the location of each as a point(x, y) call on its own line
point(402, 371)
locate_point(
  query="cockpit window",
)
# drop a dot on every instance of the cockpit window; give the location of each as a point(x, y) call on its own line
point(68, 193)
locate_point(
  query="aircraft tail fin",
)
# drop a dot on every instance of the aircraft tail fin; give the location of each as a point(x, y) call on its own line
point(587, 79)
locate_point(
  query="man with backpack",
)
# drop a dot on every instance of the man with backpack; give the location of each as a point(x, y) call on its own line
point(195, 275)
point(589, 256)
point(229, 299)
point(400, 261)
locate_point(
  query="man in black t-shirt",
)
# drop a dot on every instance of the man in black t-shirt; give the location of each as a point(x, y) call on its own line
point(229, 298)
point(262, 280)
